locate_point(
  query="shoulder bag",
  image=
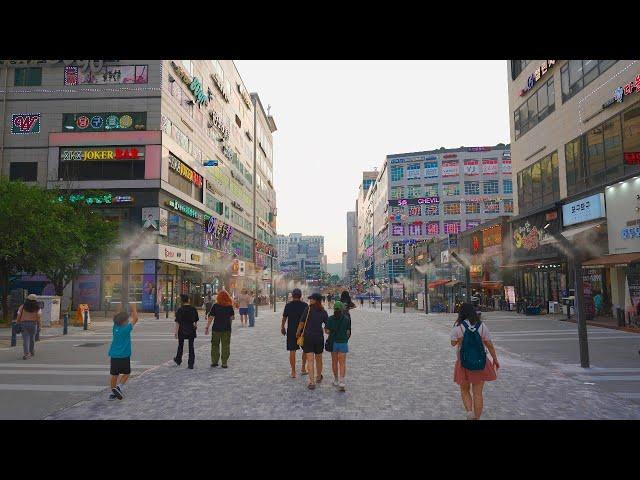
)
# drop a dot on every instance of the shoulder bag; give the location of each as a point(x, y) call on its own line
point(300, 339)
point(328, 345)
point(18, 326)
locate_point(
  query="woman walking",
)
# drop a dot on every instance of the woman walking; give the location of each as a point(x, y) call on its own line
point(473, 368)
point(243, 305)
point(313, 336)
point(29, 315)
point(338, 328)
point(221, 315)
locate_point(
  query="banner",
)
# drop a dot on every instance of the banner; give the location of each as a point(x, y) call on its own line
point(433, 228)
point(489, 166)
point(149, 285)
point(471, 167)
point(430, 169)
point(506, 166)
point(450, 168)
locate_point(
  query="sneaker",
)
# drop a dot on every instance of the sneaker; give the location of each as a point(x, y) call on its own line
point(214, 365)
point(342, 387)
point(190, 367)
point(120, 389)
point(176, 362)
point(116, 392)
point(471, 416)
point(113, 396)
point(319, 380)
point(225, 366)
point(335, 382)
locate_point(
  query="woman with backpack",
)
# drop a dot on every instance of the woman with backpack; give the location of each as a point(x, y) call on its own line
point(473, 368)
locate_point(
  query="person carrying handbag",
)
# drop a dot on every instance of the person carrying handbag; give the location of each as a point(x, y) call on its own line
point(28, 321)
point(310, 336)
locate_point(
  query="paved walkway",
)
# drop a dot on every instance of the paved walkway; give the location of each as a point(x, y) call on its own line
point(399, 367)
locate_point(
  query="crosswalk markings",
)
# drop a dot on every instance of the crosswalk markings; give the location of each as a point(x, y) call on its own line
point(66, 365)
point(590, 338)
point(75, 373)
point(609, 378)
point(628, 395)
point(51, 388)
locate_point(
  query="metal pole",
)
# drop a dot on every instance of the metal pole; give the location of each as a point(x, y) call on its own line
point(14, 334)
point(581, 318)
point(273, 286)
point(404, 300)
point(86, 320)
point(426, 294)
point(65, 324)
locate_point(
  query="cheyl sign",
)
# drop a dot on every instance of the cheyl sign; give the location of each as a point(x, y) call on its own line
point(25, 123)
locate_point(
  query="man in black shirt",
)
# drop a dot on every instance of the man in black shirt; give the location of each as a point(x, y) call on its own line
point(293, 314)
point(186, 324)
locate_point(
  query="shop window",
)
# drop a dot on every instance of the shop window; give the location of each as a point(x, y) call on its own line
point(28, 77)
point(24, 171)
point(450, 189)
point(536, 186)
point(102, 170)
point(472, 188)
point(490, 187)
point(595, 155)
point(631, 135)
point(452, 208)
point(613, 159)
point(472, 207)
point(507, 187)
point(431, 190)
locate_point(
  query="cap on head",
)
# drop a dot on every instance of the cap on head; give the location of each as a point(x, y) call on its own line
point(315, 296)
point(338, 305)
point(32, 297)
point(296, 293)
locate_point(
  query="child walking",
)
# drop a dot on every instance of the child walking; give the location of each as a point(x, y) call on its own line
point(120, 351)
point(473, 368)
point(338, 328)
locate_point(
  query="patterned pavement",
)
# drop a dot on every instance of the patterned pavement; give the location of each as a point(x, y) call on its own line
point(399, 367)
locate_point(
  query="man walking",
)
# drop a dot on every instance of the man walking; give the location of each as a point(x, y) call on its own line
point(186, 320)
point(294, 312)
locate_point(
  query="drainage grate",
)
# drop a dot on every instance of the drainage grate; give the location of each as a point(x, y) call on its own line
point(94, 344)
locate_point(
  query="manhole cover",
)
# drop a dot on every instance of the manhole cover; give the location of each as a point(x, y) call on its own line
point(94, 344)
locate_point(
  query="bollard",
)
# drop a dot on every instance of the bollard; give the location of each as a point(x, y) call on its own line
point(14, 333)
point(37, 337)
point(65, 324)
point(86, 320)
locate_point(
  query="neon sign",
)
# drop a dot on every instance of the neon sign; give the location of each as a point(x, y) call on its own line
point(537, 75)
point(25, 123)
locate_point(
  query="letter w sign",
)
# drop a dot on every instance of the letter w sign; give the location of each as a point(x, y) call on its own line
point(25, 123)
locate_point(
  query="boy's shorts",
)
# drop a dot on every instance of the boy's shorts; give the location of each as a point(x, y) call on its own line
point(120, 366)
point(340, 347)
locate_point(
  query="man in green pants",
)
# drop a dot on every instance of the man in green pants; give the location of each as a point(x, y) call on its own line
point(221, 315)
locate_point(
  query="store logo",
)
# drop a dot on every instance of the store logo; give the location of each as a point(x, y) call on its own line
point(537, 75)
point(184, 171)
point(168, 253)
point(195, 258)
point(25, 123)
point(618, 94)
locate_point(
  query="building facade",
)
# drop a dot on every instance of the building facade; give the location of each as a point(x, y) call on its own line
point(301, 256)
point(352, 242)
point(172, 144)
point(364, 250)
point(575, 142)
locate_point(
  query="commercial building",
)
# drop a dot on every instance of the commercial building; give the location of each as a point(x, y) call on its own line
point(352, 243)
point(301, 256)
point(575, 142)
point(364, 250)
point(182, 151)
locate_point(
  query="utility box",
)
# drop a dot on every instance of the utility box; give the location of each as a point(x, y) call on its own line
point(50, 305)
point(554, 307)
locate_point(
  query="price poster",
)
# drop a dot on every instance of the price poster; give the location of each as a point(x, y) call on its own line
point(430, 169)
point(471, 167)
point(490, 166)
point(506, 166)
point(450, 168)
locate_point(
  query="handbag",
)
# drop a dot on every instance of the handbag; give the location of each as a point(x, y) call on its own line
point(18, 327)
point(300, 339)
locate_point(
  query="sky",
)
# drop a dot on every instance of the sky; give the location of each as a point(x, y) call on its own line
point(336, 119)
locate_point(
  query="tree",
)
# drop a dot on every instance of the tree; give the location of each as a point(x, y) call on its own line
point(81, 234)
point(23, 218)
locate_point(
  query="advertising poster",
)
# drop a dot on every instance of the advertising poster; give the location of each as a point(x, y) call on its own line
point(87, 291)
point(623, 223)
point(506, 166)
point(430, 169)
point(510, 293)
point(149, 285)
point(433, 228)
point(589, 305)
point(471, 167)
point(490, 166)
point(633, 284)
point(450, 168)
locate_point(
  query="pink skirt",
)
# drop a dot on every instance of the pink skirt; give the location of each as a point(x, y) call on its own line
point(462, 376)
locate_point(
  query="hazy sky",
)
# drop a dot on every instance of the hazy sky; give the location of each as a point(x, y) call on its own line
point(338, 118)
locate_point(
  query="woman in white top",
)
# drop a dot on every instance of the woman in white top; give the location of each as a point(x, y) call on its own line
point(28, 318)
point(472, 380)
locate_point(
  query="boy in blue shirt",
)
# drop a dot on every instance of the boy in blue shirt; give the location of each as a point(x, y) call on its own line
point(120, 351)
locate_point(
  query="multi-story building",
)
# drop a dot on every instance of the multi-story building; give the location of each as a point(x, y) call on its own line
point(352, 243)
point(182, 152)
point(301, 256)
point(575, 136)
point(432, 194)
point(364, 259)
point(343, 269)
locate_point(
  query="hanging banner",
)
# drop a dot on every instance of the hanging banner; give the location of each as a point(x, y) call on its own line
point(430, 169)
point(450, 168)
point(489, 166)
point(472, 167)
point(506, 166)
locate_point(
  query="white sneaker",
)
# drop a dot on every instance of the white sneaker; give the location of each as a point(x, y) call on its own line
point(342, 386)
point(335, 382)
point(120, 389)
point(471, 416)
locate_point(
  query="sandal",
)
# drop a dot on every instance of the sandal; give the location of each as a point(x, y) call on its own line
point(319, 380)
point(292, 375)
point(311, 386)
point(304, 373)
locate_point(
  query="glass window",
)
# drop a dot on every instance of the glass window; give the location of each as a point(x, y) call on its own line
point(415, 229)
point(450, 189)
point(432, 209)
point(490, 187)
point(413, 171)
point(472, 207)
point(590, 70)
point(546, 179)
point(527, 188)
point(415, 210)
point(532, 107)
point(507, 186)
point(452, 208)
point(508, 206)
point(631, 135)
point(397, 173)
point(28, 77)
point(536, 185)
point(564, 76)
point(24, 171)
point(452, 227)
point(491, 206)
point(539, 105)
point(613, 158)
point(414, 191)
point(472, 188)
point(577, 74)
point(516, 123)
point(595, 153)
point(397, 192)
point(431, 190)
point(539, 183)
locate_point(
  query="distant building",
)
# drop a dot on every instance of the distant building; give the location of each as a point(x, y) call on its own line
point(301, 256)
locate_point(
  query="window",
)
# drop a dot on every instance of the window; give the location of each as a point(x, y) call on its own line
point(398, 249)
point(397, 173)
point(577, 74)
point(452, 227)
point(539, 184)
point(28, 77)
point(472, 224)
point(397, 229)
point(431, 190)
point(517, 66)
point(490, 187)
point(414, 191)
point(594, 154)
point(472, 207)
point(507, 186)
point(397, 193)
point(413, 171)
point(101, 169)
point(472, 188)
point(24, 171)
point(449, 189)
point(631, 134)
point(187, 65)
point(539, 105)
point(613, 158)
point(432, 210)
point(433, 228)
point(452, 208)
point(415, 210)
point(491, 206)
point(415, 229)
point(238, 122)
point(508, 206)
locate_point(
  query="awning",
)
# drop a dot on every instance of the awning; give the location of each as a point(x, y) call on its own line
point(491, 284)
point(524, 263)
point(571, 232)
point(437, 283)
point(616, 260)
point(452, 283)
point(184, 266)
